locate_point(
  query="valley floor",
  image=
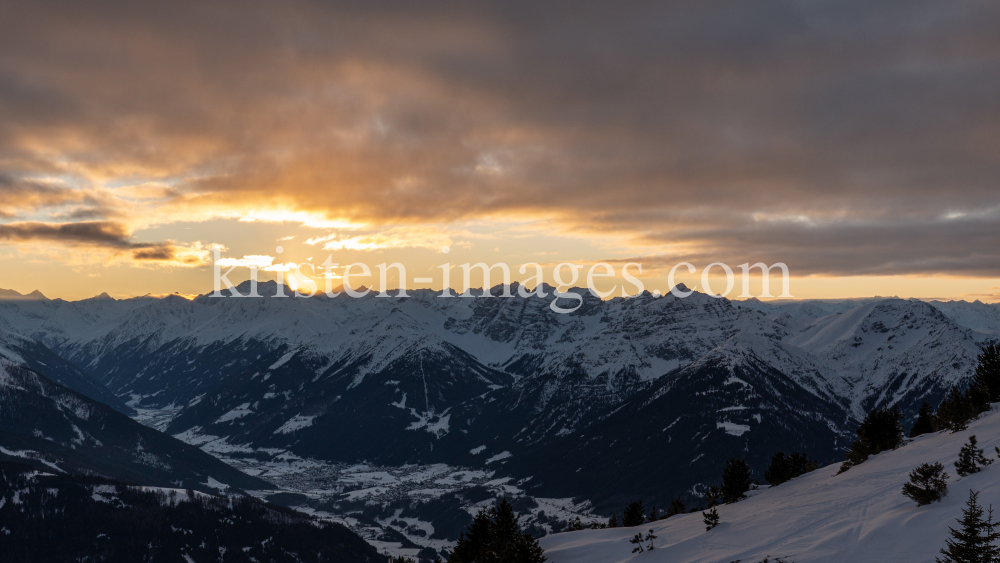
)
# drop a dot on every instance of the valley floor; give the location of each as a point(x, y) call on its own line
point(856, 517)
point(333, 491)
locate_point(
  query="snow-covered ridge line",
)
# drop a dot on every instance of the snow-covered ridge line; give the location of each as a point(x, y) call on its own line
point(647, 336)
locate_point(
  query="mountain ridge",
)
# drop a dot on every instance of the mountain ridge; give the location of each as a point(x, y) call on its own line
point(437, 378)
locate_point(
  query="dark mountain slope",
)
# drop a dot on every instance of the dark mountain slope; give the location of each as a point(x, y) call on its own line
point(678, 432)
point(37, 356)
point(55, 428)
point(46, 518)
point(408, 410)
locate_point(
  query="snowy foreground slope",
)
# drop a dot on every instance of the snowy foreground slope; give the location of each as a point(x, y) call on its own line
point(859, 516)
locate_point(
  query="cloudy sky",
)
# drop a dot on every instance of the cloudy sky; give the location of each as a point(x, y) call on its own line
point(857, 142)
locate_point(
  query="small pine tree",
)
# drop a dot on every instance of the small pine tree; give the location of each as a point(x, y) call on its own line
point(634, 514)
point(495, 535)
point(574, 525)
point(637, 542)
point(988, 371)
point(975, 541)
point(613, 521)
point(711, 518)
point(928, 483)
point(777, 471)
point(653, 514)
point(881, 430)
point(977, 397)
point(970, 459)
point(925, 421)
point(784, 468)
point(736, 480)
point(857, 454)
point(677, 506)
point(801, 464)
point(954, 412)
point(650, 537)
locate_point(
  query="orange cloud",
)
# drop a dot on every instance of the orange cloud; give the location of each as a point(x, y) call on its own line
point(663, 130)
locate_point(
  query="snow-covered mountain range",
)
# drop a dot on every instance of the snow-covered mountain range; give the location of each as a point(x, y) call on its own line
point(506, 384)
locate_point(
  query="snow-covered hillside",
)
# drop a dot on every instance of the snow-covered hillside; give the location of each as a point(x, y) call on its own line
point(856, 517)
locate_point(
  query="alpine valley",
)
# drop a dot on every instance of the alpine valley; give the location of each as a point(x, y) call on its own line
point(400, 417)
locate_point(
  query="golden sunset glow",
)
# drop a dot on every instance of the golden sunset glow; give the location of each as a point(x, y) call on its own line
point(129, 151)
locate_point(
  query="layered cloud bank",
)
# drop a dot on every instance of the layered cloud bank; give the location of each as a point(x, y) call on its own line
point(840, 138)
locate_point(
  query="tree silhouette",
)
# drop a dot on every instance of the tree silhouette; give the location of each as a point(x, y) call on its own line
point(634, 514)
point(928, 483)
point(970, 458)
point(711, 518)
point(925, 421)
point(975, 540)
point(495, 535)
point(736, 480)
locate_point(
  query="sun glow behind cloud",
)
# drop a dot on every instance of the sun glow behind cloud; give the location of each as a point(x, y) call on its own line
point(134, 138)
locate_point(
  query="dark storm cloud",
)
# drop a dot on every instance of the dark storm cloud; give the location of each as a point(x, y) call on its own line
point(101, 233)
point(839, 137)
point(97, 234)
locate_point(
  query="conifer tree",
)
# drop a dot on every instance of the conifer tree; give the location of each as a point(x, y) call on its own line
point(988, 371)
point(637, 542)
point(784, 468)
point(975, 540)
point(977, 397)
point(653, 514)
point(928, 483)
point(736, 480)
point(954, 412)
point(495, 535)
point(711, 518)
point(970, 458)
point(881, 430)
point(634, 514)
point(777, 471)
point(925, 421)
point(574, 525)
point(677, 507)
point(613, 521)
point(650, 537)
